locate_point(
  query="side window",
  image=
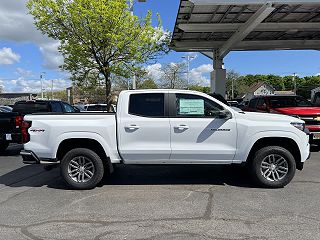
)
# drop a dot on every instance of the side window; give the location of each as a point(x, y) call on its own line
point(147, 104)
point(261, 103)
point(253, 103)
point(67, 108)
point(56, 107)
point(196, 106)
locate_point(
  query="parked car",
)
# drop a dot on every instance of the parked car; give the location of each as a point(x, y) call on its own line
point(11, 122)
point(5, 109)
point(166, 127)
point(290, 105)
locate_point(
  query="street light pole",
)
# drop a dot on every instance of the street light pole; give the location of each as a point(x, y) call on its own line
point(189, 58)
point(134, 82)
point(41, 79)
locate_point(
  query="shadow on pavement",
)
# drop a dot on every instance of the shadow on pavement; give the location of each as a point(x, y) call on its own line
point(12, 150)
point(36, 176)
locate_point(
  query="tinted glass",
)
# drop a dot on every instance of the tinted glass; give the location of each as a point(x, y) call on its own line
point(196, 106)
point(56, 107)
point(282, 102)
point(147, 104)
point(253, 103)
point(261, 102)
point(97, 108)
point(31, 107)
point(67, 107)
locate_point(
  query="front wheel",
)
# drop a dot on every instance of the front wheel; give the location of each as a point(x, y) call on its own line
point(82, 169)
point(273, 167)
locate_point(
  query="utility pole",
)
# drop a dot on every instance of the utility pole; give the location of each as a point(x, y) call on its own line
point(41, 79)
point(188, 58)
point(52, 89)
point(294, 83)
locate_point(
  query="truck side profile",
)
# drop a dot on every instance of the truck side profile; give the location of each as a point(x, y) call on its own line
point(166, 127)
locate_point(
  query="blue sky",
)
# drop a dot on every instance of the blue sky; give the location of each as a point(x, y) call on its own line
point(25, 53)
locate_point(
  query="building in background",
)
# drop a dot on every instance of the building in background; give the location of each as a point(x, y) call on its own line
point(11, 98)
point(259, 89)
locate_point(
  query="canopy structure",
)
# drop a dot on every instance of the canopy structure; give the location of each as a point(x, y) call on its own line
point(216, 27)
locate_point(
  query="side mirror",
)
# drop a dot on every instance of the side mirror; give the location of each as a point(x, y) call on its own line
point(224, 114)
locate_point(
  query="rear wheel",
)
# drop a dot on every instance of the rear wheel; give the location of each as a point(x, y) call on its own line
point(3, 145)
point(82, 169)
point(273, 167)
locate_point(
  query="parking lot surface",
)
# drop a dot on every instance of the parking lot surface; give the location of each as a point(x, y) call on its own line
point(157, 202)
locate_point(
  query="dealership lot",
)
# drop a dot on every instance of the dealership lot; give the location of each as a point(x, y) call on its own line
point(157, 202)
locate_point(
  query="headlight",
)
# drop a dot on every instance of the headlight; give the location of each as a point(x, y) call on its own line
point(300, 126)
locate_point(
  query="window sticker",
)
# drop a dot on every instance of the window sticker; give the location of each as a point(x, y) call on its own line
point(191, 107)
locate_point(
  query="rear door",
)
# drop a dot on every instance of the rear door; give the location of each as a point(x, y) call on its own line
point(144, 129)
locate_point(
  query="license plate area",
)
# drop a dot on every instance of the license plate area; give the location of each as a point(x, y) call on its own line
point(316, 136)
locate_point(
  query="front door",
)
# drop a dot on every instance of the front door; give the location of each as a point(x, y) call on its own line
point(144, 129)
point(202, 131)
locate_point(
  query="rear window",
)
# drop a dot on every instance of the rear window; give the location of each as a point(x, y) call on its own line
point(147, 104)
point(97, 108)
point(31, 107)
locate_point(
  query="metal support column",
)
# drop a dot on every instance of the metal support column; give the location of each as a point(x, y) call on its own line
point(218, 76)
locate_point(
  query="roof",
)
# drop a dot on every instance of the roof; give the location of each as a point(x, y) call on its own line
point(227, 25)
point(256, 86)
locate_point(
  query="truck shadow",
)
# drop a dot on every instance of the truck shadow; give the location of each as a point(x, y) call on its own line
point(36, 176)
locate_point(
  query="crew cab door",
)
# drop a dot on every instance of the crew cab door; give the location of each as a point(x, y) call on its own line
point(201, 132)
point(144, 128)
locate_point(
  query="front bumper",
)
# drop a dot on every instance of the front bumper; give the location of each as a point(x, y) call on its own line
point(29, 157)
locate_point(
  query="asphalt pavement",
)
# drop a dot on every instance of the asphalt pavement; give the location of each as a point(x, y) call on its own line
point(157, 202)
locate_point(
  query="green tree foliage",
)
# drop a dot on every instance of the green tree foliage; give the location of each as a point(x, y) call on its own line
point(279, 83)
point(199, 88)
point(100, 37)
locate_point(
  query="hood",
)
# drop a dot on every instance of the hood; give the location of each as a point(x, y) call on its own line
point(301, 111)
point(254, 116)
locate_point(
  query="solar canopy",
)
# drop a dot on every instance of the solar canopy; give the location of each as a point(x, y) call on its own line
point(216, 27)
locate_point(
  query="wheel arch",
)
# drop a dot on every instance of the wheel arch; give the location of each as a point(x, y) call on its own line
point(71, 143)
point(285, 142)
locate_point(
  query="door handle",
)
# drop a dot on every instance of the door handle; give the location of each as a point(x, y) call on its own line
point(132, 127)
point(182, 127)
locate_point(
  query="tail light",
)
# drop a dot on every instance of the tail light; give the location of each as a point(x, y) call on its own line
point(24, 131)
point(18, 121)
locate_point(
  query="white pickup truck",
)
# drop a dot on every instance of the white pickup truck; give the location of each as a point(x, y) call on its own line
point(166, 127)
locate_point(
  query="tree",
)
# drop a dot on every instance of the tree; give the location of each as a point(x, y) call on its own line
point(232, 78)
point(174, 76)
point(99, 37)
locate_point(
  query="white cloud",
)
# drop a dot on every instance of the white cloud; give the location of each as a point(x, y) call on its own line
point(34, 86)
point(201, 74)
point(1, 86)
point(155, 71)
point(23, 73)
point(7, 56)
point(17, 25)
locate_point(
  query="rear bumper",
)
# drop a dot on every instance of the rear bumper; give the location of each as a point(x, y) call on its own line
point(29, 157)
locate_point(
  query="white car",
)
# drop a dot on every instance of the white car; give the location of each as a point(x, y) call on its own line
point(166, 127)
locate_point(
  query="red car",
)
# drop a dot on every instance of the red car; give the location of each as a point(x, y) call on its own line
point(290, 105)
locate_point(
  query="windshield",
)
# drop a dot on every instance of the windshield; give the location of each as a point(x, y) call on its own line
point(283, 102)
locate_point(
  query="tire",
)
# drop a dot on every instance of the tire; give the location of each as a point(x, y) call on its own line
point(3, 146)
point(273, 167)
point(82, 169)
